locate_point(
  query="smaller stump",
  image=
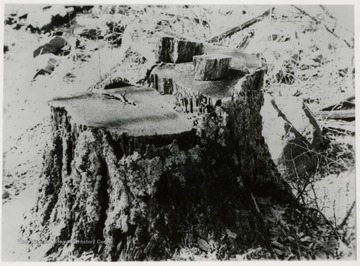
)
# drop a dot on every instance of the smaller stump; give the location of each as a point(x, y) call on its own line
point(172, 50)
point(211, 67)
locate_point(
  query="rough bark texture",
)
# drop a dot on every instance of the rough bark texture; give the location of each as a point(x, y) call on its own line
point(172, 50)
point(104, 195)
point(211, 67)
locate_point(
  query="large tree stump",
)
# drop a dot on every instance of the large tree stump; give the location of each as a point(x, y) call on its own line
point(122, 181)
point(126, 175)
point(211, 67)
point(172, 50)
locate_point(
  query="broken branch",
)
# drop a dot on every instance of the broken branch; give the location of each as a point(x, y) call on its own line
point(341, 114)
point(347, 216)
point(242, 26)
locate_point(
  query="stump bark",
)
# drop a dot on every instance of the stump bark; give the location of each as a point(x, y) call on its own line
point(172, 50)
point(133, 182)
point(211, 67)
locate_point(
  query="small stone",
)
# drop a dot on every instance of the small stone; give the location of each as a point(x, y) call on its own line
point(203, 245)
point(5, 195)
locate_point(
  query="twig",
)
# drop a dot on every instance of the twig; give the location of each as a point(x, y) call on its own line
point(121, 97)
point(263, 228)
point(298, 253)
point(306, 14)
point(327, 12)
point(326, 220)
point(342, 224)
point(315, 196)
point(97, 43)
point(319, 154)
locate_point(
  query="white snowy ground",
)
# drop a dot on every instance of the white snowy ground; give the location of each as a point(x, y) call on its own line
point(12, 213)
point(26, 120)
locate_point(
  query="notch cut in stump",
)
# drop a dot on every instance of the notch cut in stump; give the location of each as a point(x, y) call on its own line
point(211, 67)
point(172, 50)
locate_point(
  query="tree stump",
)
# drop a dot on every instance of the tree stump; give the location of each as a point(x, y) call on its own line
point(211, 67)
point(121, 181)
point(172, 50)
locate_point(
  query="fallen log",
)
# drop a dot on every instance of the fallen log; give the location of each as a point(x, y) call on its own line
point(241, 27)
point(341, 126)
point(348, 103)
point(341, 114)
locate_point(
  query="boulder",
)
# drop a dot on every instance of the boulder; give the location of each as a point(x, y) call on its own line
point(55, 46)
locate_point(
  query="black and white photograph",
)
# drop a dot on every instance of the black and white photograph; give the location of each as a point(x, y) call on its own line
point(178, 132)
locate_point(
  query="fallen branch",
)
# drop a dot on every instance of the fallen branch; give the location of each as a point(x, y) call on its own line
point(241, 27)
point(327, 12)
point(121, 97)
point(348, 102)
point(305, 13)
point(325, 219)
point(340, 126)
point(340, 114)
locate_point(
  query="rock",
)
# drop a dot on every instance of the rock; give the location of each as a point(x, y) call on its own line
point(292, 134)
point(55, 46)
point(6, 49)
point(203, 245)
point(69, 77)
point(45, 64)
point(10, 21)
point(33, 29)
point(18, 26)
point(173, 50)
point(211, 67)
point(23, 17)
point(5, 195)
point(8, 185)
